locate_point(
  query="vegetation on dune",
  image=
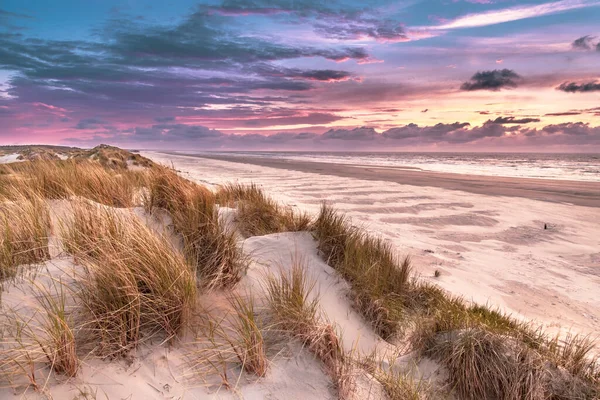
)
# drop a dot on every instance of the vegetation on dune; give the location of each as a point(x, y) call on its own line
point(488, 354)
point(24, 225)
point(207, 243)
point(258, 214)
point(235, 339)
point(134, 283)
point(295, 312)
point(64, 179)
point(380, 280)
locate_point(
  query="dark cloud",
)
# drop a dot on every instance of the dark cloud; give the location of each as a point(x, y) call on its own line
point(411, 135)
point(6, 14)
point(362, 133)
point(560, 114)
point(514, 120)
point(492, 80)
point(325, 75)
point(354, 29)
point(90, 123)
point(328, 21)
point(573, 87)
point(583, 43)
point(139, 67)
point(164, 119)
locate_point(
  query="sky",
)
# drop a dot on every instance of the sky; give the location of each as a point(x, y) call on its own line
point(335, 75)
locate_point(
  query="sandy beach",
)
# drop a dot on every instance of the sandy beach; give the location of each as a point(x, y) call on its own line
point(485, 235)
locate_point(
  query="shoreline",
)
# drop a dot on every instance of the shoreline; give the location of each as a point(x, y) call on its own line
point(556, 191)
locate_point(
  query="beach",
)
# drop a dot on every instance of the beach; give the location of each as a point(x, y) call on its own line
point(485, 236)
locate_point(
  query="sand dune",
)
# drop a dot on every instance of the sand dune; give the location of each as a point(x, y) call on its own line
point(489, 248)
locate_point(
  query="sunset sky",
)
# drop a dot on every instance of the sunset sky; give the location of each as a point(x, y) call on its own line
point(431, 75)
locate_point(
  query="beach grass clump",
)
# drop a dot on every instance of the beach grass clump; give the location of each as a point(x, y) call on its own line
point(24, 226)
point(134, 281)
point(295, 312)
point(258, 214)
point(488, 354)
point(235, 339)
point(113, 157)
point(380, 280)
point(56, 338)
point(397, 384)
point(483, 365)
point(250, 345)
point(207, 243)
point(63, 179)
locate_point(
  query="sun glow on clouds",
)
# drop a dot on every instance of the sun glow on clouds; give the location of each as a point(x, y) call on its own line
point(304, 67)
point(514, 14)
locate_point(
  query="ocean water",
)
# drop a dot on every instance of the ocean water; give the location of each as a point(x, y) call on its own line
point(577, 167)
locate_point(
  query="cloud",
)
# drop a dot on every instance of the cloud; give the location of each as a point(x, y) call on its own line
point(90, 123)
point(7, 14)
point(583, 43)
point(573, 87)
point(514, 14)
point(328, 20)
point(492, 80)
point(561, 114)
point(362, 133)
point(514, 120)
point(177, 136)
point(361, 28)
point(164, 119)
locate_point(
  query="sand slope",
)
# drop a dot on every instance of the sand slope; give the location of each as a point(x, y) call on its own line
point(491, 249)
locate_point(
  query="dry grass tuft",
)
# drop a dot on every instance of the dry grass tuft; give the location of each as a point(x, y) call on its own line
point(35, 345)
point(230, 341)
point(57, 340)
point(250, 347)
point(296, 314)
point(380, 280)
point(208, 245)
point(134, 283)
point(64, 179)
point(24, 225)
point(258, 214)
point(484, 364)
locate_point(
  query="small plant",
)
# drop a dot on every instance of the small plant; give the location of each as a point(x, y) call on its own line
point(133, 280)
point(208, 246)
point(380, 280)
point(295, 312)
point(58, 339)
point(249, 346)
point(258, 214)
point(437, 273)
point(24, 225)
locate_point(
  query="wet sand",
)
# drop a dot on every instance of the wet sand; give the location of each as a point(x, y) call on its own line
point(558, 191)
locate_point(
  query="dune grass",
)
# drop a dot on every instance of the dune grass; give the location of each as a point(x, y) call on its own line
point(250, 347)
point(230, 339)
point(208, 244)
point(134, 283)
point(36, 345)
point(258, 214)
point(57, 338)
point(489, 354)
point(63, 179)
point(380, 280)
point(295, 312)
point(24, 225)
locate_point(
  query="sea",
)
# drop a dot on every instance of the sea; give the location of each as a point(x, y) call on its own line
point(574, 167)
